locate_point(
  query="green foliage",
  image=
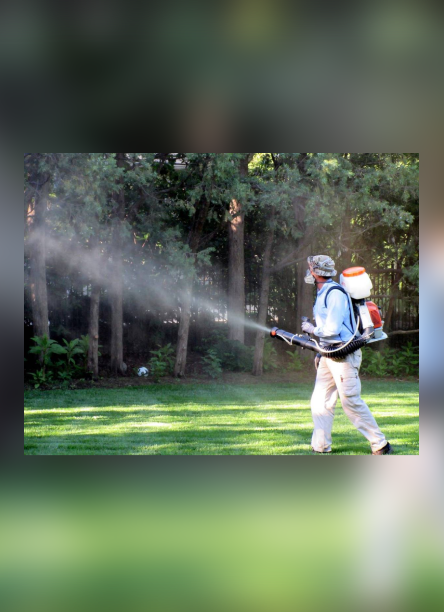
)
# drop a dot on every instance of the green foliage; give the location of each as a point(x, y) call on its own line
point(374, 362)
point(65, 368)
point(84, 347)
point(391, 362)
point(41, 378)
point(294, 363)
point(234, 356)
point(411, 353)
point(45, 348)
point(407, 360)
point(211, 338)
point(68, 368)
point(68, 365)
point(362, 208)
point(270, 355)
point(212, 364)
point(162, 362)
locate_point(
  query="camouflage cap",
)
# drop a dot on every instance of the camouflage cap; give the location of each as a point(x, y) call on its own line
point(323, 265)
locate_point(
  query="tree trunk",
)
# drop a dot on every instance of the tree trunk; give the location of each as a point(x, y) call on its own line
point(394, 291)
point(236, 266)
point(236, 274)
point(93, 331)
point(185, 312)
point(117, 365)
point(258, 363)
point(184, 329)
point(37, 250)
point(306, 297)
point(305, 294)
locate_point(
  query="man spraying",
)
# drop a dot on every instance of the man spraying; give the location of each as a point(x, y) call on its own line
point(335, 323)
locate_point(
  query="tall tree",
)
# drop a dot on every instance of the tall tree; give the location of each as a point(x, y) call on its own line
point(104, 199)
point(38, 183)
point(93, 331)
point(236, 262)
point(283, 193)
point(258, 361)
point(156, 228)
point(79, 218)
point(214, 179)
point(132, 188)
point(116, 362)
point(194, 239)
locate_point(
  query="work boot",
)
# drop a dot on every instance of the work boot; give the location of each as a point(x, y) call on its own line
point(386, 450)
point(319, 452)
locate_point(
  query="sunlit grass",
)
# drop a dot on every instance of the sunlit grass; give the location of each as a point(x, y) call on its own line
point(208, 419)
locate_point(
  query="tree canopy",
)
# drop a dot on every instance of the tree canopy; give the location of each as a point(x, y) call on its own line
point(173, 245)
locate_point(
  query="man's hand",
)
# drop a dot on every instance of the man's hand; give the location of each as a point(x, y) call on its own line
point(308, 327)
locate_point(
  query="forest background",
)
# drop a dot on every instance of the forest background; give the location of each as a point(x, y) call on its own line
point(180, 261)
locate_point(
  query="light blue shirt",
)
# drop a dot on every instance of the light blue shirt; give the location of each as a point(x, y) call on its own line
point(333, 322)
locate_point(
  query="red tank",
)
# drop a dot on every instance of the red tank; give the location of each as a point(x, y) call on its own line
point(375, 315)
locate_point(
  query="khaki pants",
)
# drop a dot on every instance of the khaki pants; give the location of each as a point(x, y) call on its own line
point(341, 378)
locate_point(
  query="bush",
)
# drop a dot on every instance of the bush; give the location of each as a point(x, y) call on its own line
point(162, 362)
point(66, 368)
point(234, 356)
point(374, 362)
point(45, 349)
point(270, 355)
point(42, 378)
point(212, 364)
point(391, 362)
point(212, 338)
point(294, 363)
point(410, 358)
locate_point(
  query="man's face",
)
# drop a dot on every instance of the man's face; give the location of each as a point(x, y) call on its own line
point(309, 277)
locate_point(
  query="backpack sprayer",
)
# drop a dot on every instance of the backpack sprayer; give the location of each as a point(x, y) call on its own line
point(355, 283)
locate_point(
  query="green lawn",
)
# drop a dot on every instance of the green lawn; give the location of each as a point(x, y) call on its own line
point(210, 419)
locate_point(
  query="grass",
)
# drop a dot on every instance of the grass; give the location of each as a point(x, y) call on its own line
point(214, 419)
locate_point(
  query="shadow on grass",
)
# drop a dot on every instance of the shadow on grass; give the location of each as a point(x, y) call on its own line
point(239, 441)
point(97, 416)
point(241, 421)
point(220, 440)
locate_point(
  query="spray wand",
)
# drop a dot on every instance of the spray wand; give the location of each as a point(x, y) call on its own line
point(335, 351)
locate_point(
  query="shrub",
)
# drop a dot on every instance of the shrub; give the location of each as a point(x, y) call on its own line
point(374, 363)
point(44, 349)
point(212, 338)
point(410, 356)
point(68, 366)
point(162, 362)
point(234, 356)
point(212, 364)
point(391, 362)
point(294, 363)
point(41, 378)
point(270, 355)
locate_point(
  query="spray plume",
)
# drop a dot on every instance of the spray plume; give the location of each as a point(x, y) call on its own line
point(145, 289)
